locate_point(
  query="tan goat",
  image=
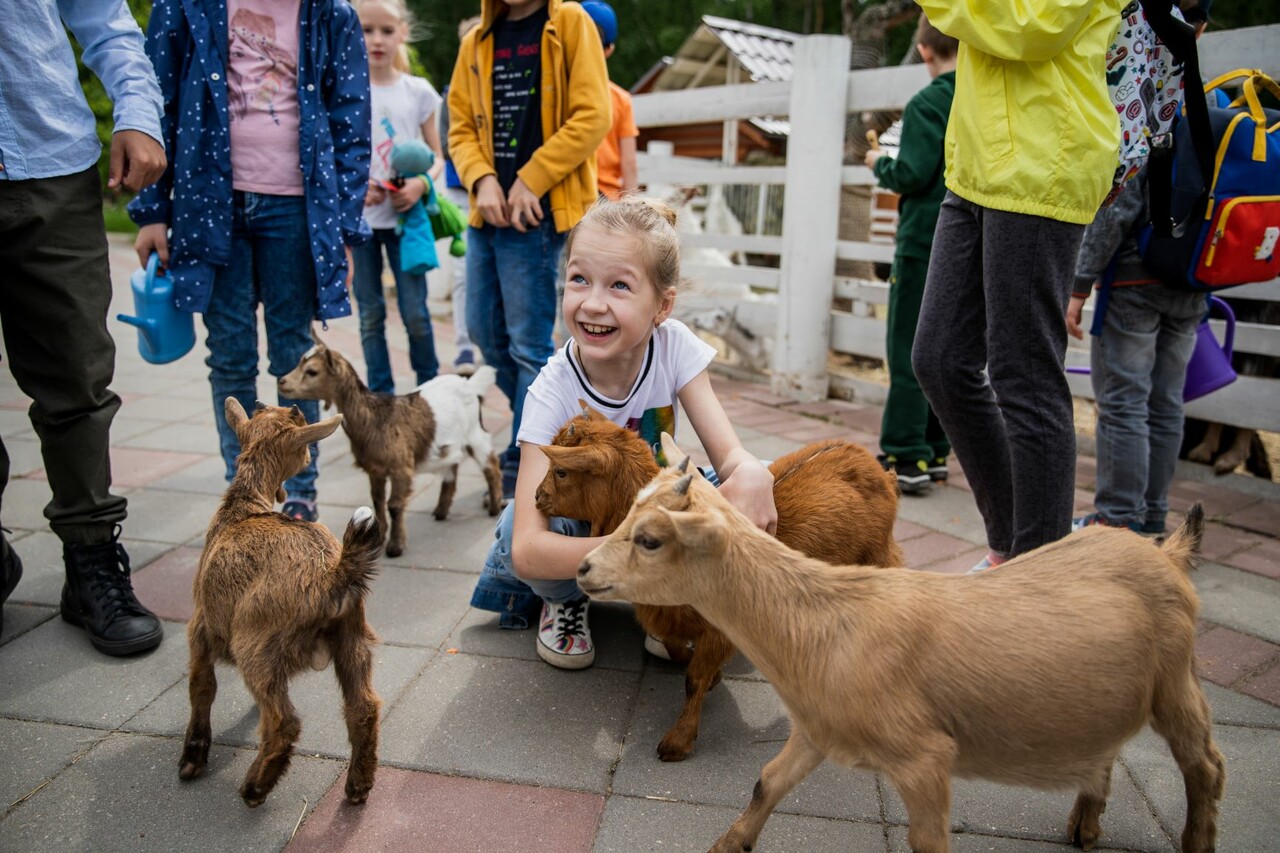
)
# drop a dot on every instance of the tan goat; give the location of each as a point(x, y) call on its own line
point(1034, 673)
point(274, 595)
point(834, 503)
point(391, 437)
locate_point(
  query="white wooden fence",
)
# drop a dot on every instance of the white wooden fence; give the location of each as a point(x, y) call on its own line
point(792, 303)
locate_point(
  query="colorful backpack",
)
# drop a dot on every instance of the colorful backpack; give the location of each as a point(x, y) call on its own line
point(1232, 216)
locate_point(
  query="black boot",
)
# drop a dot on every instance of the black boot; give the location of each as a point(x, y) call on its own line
point(10, 574)
point(98, 597)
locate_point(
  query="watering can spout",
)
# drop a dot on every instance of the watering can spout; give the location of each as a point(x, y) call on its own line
point(145, 327)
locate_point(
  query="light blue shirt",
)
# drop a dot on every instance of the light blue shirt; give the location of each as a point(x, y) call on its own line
point(46, 126)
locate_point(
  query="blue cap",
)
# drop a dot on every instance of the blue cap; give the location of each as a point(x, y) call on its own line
point(606, 20)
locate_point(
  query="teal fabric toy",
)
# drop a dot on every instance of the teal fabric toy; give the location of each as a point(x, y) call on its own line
point(417, 239)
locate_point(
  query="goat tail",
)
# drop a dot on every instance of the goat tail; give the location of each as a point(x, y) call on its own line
point(361, 545)
point(482, 380)
point(1183, 547)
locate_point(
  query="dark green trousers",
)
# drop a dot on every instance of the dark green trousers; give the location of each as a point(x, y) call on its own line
point(55, 290)
point(909, 430)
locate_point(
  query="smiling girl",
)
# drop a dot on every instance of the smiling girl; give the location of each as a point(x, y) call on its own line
point(638, 367)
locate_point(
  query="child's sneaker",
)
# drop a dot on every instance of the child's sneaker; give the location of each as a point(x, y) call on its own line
point(564, 640)
point(912, 477)
point(937, 470)
point(465, 363)
point(988, 562)
point(1095, 519)
point(300, 509)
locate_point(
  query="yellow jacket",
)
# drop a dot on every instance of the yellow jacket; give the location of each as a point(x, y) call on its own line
point(575, 110)
point(1032, 127)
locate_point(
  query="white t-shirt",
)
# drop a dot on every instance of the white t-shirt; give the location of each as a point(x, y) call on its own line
point(675, 356)
point(408, 102)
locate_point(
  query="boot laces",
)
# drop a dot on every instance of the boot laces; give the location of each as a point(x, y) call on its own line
point(110, 582)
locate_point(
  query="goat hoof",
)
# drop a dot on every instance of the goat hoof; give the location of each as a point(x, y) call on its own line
point(394, 550)
point(1202, 454)
point(252, 795)
point(190, 770)
point(673, 752)
point(440, 514)
point(357, 795)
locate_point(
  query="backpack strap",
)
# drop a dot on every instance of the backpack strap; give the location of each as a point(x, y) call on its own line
point(1180, 38)
point(1105, 282)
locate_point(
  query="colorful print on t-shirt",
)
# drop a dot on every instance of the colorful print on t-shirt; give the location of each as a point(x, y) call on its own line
point(651, 425)
point(262, 95)
point(517, 104)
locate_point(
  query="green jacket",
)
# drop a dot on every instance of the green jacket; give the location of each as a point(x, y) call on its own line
point(916, 173)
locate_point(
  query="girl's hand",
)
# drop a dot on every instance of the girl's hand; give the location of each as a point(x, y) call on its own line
point(750, 490)
point(408, 195)
point(375, 194)
point(1075, 312)
point(152, 238)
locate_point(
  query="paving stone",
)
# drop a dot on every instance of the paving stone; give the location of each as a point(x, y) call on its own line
point(24, 457)
point(1260, 518)
point(1265, 685)
point(987, 808)
point(968, 842)
point(819, 431)
point(316, 695)
point(165, 585)
point(21, 618)
point(24, 501)
point(960, 563)
point(1220, 541)
point(168, 409)
point(744, 725)
point(426, 811)
point(904, 530)
point(1232, 708)
point(923, 551)
point(34, 753)
point(1225, 656)
point(417, 607)
point(1240, 600)
point(43, 572)
point(52, 674)
point(866, 419)
point(1263, 558)
point(512, 720)
point(460, 543)
point(1249, 820)
point(173, 517)
point(14, 423)
point(764, 398)
point(206, 477)
point(618, 638)
point(125, 795)
point(633, 824)
point(136, 466)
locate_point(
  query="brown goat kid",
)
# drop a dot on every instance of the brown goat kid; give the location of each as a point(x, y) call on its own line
point(274, 595)
point(834, 501)
point(391, 437)
point(1033, 673)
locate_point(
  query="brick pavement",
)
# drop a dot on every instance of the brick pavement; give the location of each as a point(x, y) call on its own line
point(484, 747)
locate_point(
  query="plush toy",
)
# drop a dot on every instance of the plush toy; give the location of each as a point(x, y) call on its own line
point(411, 161)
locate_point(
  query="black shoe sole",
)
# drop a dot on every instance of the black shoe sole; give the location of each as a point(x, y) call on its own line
point(115, 648)
point(913, 486)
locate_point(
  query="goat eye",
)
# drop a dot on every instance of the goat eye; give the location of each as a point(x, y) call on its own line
point(561, 473)
point(309, 372)
point(648, 543)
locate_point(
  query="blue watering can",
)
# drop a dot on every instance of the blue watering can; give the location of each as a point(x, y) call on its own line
point(165, 334)
point(1210, 366)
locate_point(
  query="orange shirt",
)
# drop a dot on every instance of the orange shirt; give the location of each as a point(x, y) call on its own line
point(608, 156)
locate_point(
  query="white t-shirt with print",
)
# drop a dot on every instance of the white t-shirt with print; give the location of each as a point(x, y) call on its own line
point(407, 103)
point(675, 356)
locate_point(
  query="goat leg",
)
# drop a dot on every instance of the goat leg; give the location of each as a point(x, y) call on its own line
point(202, 688)
point(924, 783)
point(1181, 717)
point(1084, 825)
point(493, 478)
point(1208, 446)
point(1236, 454)
point(279, 731)
point(711, 651)
point(448, 487)
point(797, 760)
point(353, 664)
point(378, 492)
point(401, 486)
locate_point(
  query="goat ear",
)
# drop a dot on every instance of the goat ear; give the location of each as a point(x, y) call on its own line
point(586, 458)
point(319, 430)
point(672, 452)
point(235, 413)
point(696, 530)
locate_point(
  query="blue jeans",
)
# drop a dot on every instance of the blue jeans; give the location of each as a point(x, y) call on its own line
point(411, 296)
point(1139, 365)
point(270, 264)
point(519, 601)
point(511, 306)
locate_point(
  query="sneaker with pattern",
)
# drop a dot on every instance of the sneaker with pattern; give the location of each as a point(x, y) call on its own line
point(564, 640)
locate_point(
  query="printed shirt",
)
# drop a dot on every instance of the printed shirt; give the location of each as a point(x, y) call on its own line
point(262, 84)
point(609, 154)
point(675, 357)
point(517, 111)
point(407, 104)
point(46, 126)
point(188, 45)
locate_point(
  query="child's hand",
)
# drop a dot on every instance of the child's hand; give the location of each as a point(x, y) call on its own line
point(872, 156)
point(375, 194)
point(408, 195)
point(1075, 310)
point(137, 161)
point(750, 490)
point(525, 207)
point(152, 238)
point(490, 201)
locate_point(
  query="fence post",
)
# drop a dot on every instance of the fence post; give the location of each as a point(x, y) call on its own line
point(811, 216)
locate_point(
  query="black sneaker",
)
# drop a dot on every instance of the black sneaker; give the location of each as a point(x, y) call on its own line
point(10, 574)
point(938, 470)
point(98, 596)
point(913, 477)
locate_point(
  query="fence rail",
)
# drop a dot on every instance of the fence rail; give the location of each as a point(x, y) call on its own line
point(791, 304)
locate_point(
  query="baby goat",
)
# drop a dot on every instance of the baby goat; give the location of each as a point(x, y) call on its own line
point(1034, 673)
point(273, 596)
point(393, 436)
point(834, 503)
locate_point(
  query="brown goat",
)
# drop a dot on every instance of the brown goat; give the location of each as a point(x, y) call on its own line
point(1033, 673)
point(274, 595)
point(834, 501)
point(391, 436)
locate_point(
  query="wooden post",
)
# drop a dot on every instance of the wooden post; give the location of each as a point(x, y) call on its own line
point(811, 206)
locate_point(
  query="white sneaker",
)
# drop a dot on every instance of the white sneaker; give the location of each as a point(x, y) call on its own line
point(564, 640)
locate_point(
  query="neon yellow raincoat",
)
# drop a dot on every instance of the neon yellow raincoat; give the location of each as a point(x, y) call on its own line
point(1032, 127)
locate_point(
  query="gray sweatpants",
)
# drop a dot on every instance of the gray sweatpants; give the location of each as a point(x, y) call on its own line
point(995, 299)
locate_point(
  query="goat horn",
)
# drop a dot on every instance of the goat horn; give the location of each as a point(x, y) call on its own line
point(684, 465)
point(682, 485)
point(571, 429)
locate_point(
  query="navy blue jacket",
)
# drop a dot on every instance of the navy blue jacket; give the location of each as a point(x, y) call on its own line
point(187, 43)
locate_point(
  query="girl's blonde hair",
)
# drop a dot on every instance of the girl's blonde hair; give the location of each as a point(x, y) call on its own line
point(648, 219)
point(401, 10)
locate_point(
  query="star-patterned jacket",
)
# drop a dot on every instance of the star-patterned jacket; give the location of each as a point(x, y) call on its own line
point(187, 43)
